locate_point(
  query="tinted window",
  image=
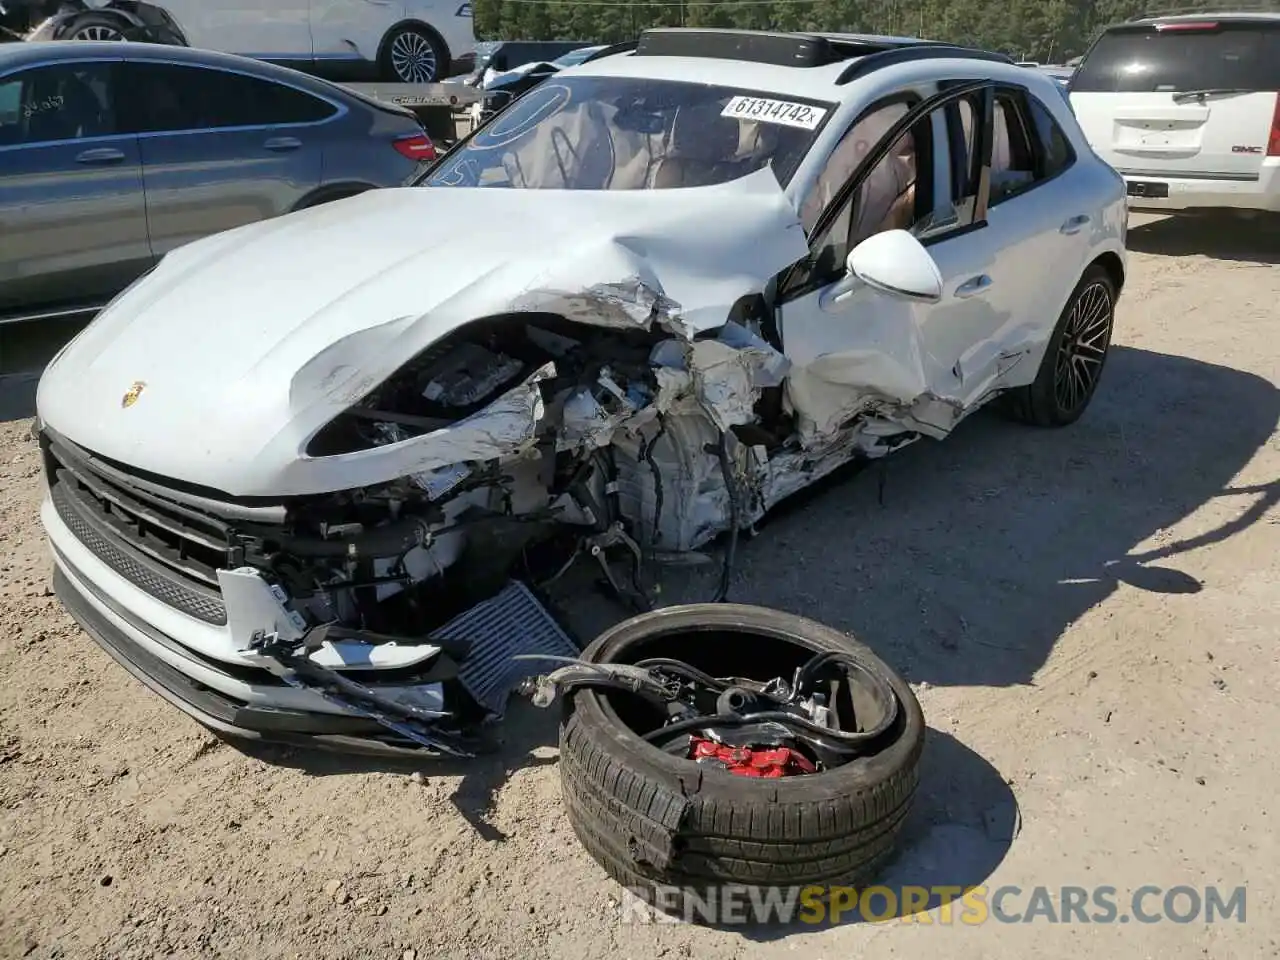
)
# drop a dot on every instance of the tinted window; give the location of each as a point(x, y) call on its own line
point(65, 101)
point(895, 194)
point(1013, 156)
point(1148, 60)
point(858, 140)
point(196, 98)
point(1054, 147)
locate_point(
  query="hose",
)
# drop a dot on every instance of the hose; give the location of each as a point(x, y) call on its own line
point(836, 740)
point(683, 669)
point(730, 553)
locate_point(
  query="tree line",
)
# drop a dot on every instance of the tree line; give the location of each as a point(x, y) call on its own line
point(1048, 31)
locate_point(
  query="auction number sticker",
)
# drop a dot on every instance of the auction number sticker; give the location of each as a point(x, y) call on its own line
point(774, 111)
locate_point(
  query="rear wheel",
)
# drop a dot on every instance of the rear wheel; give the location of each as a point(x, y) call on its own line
point(1073, 362)
point(413, 54)
point(95, 26)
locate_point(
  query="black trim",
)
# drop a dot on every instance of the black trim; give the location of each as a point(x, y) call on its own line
point(204, 499)
point(156, 579)
point(627, 46)
point(217, 711)
point(1188, 175)
point(918, 51)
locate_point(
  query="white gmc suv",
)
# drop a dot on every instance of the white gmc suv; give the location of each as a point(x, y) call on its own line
point(1187, 109)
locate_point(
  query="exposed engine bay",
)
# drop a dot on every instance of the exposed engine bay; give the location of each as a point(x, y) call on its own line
point(573, 442)
point(650, 443)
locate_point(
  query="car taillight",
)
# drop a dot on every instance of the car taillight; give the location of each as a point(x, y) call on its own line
point(416, 146)
point(1273, 142)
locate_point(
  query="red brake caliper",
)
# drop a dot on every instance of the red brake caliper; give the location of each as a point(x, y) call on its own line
point(767, 762)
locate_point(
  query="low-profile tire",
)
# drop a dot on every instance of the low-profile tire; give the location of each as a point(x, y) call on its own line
point(413, 54)
point(95, 26)
point(668, 828)
point(1074, 359)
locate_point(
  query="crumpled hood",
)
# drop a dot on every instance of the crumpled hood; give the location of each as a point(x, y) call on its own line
point(247, 342)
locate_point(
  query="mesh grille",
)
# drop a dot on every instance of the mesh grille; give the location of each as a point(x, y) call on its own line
point(142, 575)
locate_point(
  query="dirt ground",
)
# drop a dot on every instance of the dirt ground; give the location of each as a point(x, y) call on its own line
point(1090, 616)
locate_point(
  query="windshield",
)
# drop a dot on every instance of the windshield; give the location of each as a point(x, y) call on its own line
point(617, 133)
point(1243, 56)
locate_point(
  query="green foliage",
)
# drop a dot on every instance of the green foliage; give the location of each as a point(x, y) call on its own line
point(1050, 31)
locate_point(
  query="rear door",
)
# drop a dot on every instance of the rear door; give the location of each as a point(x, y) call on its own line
point(72, 219)
point(1185, 98)
point(352, 29)
point(221, 149)
point(265, 29)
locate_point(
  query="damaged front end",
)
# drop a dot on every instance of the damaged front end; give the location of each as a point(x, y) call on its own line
point(376, 532)
point(535, 440)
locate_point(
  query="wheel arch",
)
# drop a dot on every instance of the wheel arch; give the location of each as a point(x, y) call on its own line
point(328, 192)
point(435, 34)
point(1110, 262)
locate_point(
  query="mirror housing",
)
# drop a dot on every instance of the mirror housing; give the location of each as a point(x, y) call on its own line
point(896, 263)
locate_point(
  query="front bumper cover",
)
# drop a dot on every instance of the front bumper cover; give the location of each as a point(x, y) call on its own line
point(213, 709)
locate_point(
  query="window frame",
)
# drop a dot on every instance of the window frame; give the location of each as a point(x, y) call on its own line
point(1021, 100)
point(1030, 102)
point(793, 283)
point(135, 114)
point(113, 66)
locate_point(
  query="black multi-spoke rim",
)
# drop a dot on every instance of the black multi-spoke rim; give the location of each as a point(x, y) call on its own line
point(1085, 339)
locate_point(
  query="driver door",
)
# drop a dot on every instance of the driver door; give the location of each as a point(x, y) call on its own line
point(855, 350)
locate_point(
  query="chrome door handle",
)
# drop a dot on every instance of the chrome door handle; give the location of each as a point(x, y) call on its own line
point(1074, 224)
point(283, 144)
point(974, 285)
point(100, 155)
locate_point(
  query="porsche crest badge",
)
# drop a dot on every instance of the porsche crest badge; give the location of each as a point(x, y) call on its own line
point(132, 394)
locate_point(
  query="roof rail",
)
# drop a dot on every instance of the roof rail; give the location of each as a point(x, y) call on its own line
point(626, 46)
point(917, 51)
point(755, 46)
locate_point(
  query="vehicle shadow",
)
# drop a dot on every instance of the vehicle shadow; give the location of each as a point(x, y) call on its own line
point(25, 349)
point(989, 545)
point(1222, 238)
point(963, 822)
point(524, 730)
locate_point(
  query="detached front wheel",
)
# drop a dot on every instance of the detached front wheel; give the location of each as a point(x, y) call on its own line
point(667, 826)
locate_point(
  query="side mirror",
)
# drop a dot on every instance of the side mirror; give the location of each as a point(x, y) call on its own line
point(896, 263)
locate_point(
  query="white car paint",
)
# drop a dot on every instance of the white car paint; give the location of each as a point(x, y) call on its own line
point(316, 30)
point(290, 342)
point(1219, 151)
point(216, 370)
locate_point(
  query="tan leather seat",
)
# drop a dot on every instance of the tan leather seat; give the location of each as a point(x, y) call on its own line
point(699, 150)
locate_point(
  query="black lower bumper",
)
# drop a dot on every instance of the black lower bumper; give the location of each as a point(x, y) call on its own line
point(214, 709)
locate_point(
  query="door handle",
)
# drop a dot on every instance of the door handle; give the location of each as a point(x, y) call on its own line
point(283, 144)
point(974, 285)
point(1074, 224)
point(100, 155)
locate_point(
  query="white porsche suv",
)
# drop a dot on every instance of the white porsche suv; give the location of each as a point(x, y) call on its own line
point(681, 282)
point(1187, 108)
